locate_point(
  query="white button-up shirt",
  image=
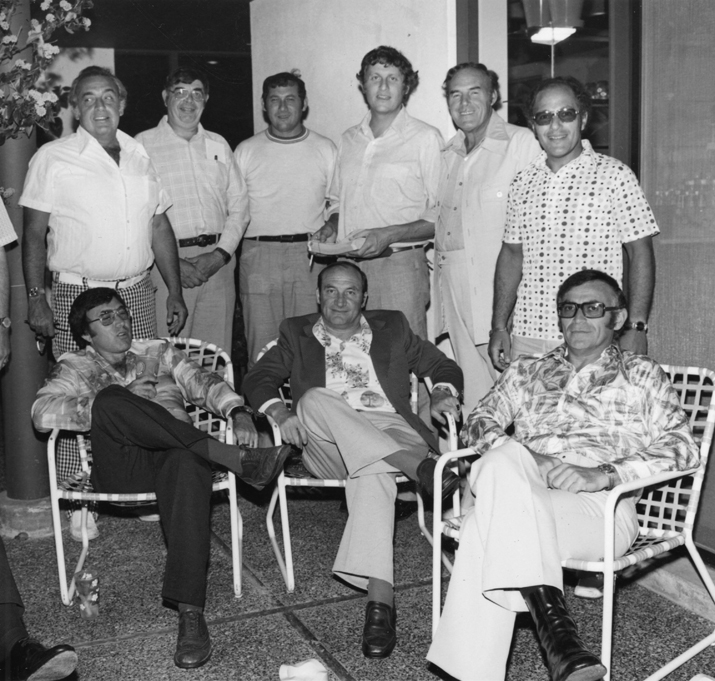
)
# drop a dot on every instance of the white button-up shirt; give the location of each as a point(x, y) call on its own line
point(100, 212)
point(7, 231)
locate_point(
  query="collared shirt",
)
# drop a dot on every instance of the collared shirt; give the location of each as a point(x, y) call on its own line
point(388, 180)
point(577, 218)
point(621, 409)
point(7, 231)
point(65, 401)
point(349, 370)
point(100, 212)
point(200, 175)
point(287, 181)
point(472, 203)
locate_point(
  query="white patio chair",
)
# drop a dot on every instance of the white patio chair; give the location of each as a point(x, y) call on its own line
point(666, 514)
point(79, 487)
point(279, 493)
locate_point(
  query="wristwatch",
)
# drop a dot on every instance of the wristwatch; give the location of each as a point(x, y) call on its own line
point(35, 291)
point(610, 470)
point(240, 410)
point(5, 321)
point(636, 326)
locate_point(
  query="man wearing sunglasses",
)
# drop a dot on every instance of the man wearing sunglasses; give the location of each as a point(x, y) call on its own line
point(586, 416)
point(208, 211)
point(144, 441)
point(570, 210)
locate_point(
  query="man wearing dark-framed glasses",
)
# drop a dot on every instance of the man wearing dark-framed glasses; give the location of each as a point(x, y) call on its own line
point(586, 416)
point(570, 210)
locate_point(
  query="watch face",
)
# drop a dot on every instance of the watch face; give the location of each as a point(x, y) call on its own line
point(5, 321)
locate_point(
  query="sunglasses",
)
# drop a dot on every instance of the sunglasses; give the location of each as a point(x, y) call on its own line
point(567, 115)
point(567, 310)
point(183, 93)
point(106, 317)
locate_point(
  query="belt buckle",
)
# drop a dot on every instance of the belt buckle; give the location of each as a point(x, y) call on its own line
point(202, 240)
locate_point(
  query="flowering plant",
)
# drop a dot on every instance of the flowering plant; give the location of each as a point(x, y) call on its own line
point(24, 102)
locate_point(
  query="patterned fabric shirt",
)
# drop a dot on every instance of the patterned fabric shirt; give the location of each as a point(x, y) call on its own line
point(387, 180)
point(577, 218)
point(349, 370)
point(207, 193)
point(65, 401)
point(7, 231)
point(621, 409)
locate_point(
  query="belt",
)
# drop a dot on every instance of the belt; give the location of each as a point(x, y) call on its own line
point(201, 240)
point(79, 280)
point(283, 238)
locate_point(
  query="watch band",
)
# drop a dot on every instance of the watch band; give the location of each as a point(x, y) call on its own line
point(636, 326)
point(35, 291)
point(241, 409)
point(224, 254)
point(610, 470)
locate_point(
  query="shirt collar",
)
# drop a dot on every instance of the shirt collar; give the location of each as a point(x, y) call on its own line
point(495, 138)
point(126, 143)
point(325, 339)
point(611, 360)
point(398, 124)
point(587, 157)
point(166, 129)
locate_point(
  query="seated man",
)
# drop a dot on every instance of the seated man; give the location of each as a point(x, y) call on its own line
point(586, 417)
point(129, 394)
point(22, 657)
point(349, 374)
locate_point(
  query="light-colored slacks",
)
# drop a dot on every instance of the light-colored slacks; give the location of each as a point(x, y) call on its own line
point(472, 357)
point(345, 444)
point(275, 281)
point(210, 305)
point(516, 536)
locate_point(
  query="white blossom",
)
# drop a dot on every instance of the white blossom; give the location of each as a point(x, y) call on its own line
point(40, 110)
point(65, 6)
point(21, 63)
point(9, 40)
point(87, 22)
point(45, 5)
point(70, 15)
point(4, 26)
point(50, 18)
point(49, 97)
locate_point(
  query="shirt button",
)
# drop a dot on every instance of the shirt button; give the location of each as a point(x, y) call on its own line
point(500, 194)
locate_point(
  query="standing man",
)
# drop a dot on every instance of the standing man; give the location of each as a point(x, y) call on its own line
point(385, 188)
point(572, 209)
point(100, 197)
point(7, 236)
point(479, 163)
point(287, 170)
point(208, 207)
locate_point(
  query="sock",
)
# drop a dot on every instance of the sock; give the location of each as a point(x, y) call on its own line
point(381, 591)
point(186, 607)
point(12, 627)
point(223, 454)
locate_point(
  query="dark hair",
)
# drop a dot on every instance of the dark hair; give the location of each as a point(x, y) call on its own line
point(345, 264)
point(584, 277)
point(389, 56)
point(570, 83)
point(492, 75)
point(283, 79)
point(187, 75)
point(83, 303)
point(90, 72)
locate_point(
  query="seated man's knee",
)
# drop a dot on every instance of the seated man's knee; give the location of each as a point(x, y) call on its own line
point(497, 463)
point(107, 397)
point(315, 398)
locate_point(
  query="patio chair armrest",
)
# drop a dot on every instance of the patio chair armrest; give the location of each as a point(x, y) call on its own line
point(277, 439)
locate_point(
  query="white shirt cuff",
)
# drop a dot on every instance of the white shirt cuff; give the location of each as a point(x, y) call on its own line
point(268, 403)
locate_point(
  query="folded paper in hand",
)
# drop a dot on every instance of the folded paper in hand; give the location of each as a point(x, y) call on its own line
point(339, 248)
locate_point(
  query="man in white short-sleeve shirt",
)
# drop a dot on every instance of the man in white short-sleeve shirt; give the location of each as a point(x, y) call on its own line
point(98, 194)
point(571, 209)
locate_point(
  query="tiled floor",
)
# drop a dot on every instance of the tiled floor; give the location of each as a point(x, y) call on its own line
point(133, 639)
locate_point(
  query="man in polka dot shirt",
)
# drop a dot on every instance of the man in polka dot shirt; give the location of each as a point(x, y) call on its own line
point(571, 209)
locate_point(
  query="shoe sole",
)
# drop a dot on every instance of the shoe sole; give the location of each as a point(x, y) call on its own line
point(60, 666)
point(591, 593)
point(593, 673)
point(195, 665)
point(381, 654)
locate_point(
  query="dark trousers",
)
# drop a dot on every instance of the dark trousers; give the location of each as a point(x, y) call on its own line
point(11, 608)
point(138, 446)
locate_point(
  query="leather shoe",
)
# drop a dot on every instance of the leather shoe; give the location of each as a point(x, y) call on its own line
point(425, 476)
point(404, 509)
point(30, 660)
point(379, 634)
point(193, 645)
point(258, 466)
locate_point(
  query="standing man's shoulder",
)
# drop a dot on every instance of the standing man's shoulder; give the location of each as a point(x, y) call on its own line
point(414, 127)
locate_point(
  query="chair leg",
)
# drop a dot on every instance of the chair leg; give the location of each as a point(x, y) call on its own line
point(83, 553)
point(59, 546)
point(609, 587)
point(236, 535)
point(285, 566)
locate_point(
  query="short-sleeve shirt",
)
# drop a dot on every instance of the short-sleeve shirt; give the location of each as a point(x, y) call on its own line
point(7, 231)
point(100, 212)
point(577, 218)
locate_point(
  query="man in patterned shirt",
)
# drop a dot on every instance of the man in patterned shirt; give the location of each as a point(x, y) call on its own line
point(571, 209)
point(131, 394)
point(586, 416)
point(349, 374)
point(209, 208)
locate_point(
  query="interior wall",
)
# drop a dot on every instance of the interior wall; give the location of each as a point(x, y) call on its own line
point(327, 39)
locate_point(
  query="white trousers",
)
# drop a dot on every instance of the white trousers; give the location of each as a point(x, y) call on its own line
point(516, 536)
point(345, 444)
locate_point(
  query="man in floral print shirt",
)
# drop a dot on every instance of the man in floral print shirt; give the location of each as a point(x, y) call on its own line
point(349, 372)
point(131, 394)
point(586, 417)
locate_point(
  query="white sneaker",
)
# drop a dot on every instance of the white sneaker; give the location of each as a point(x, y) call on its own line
point(590, 586)
point(76, 526)
point(149, 517)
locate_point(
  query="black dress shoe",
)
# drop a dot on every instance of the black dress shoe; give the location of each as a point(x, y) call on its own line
point(567, 656)
point(425, 476)
point(193, 646)
point(404, 509)
point(379, 634)
point(258, 466)
point(29, 660)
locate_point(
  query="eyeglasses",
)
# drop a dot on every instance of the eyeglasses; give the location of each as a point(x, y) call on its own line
point(591, 310)
point(184, 93)
point(567, 115)
point(107, 317)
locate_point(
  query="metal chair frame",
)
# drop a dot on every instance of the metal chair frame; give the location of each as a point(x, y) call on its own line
point(279, 496)
point(666, 513)
point(79, 487)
